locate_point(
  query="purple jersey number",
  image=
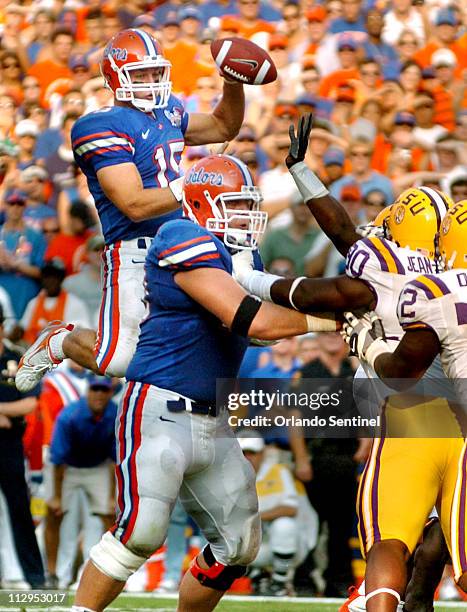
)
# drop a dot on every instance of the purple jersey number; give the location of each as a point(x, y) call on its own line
point(409, 301)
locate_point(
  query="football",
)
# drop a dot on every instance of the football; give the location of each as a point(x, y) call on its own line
point(243, 61)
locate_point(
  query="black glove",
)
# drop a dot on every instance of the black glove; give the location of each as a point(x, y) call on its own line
point(299, 143)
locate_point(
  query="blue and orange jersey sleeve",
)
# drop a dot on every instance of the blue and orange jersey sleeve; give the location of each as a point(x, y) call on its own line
point(181, 245)
point(419, 307)
point(98, 140)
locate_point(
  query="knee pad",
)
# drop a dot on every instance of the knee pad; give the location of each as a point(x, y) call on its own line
point(114, 559)
point(218, 576)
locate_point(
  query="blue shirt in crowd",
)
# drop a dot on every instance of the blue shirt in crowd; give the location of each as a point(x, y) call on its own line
point(81, 439)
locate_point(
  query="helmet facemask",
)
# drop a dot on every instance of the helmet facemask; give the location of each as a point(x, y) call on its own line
point(159, 91)
point(223, 218)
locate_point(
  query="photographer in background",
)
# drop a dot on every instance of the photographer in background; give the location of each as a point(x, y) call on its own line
point(13, 407)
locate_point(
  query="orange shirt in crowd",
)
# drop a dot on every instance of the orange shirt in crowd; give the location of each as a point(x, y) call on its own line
point(382, 151)
point(47, 71)
point(181, 55)
point(68, 249)
point(458, 47)
point(41, 316)
point(331, 82)
point(50, 404)
point(444, 108)
point(246, 31)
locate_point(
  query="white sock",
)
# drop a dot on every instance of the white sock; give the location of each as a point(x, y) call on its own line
point(80, 609)
point(56, 345)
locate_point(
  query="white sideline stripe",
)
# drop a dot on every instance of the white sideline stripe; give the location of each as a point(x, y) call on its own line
point(262, 71)
point(223, 51)
point(199, 249)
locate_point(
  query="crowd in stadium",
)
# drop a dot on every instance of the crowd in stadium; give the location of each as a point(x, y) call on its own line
point(386, 81)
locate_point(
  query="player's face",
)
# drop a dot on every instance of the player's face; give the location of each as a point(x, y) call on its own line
point(145, 76)
point(239, 222)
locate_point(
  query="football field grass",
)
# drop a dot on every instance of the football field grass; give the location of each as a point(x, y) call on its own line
point(148, 601)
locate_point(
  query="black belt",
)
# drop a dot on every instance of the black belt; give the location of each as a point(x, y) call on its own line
point(181, 405)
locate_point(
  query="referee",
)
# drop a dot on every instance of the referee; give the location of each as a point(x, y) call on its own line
point(13, 406)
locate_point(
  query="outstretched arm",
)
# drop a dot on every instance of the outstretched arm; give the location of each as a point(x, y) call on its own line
point(330, 214)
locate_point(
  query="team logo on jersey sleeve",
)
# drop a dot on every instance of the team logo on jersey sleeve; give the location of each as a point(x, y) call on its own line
point(399, 214)
point(175, 117)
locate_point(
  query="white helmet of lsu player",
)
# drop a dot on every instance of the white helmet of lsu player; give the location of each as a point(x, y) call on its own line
point(415, 219)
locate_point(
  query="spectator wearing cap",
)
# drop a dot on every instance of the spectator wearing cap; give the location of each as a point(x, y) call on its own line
point(147, 23)
point(48, 70)
point(292, 241)
point(248, 20)
point(190, 24)
point(333, 161)
point(320, 51)
point(70, 247)
point(352, 19)
point(14, 406)
point(275, 124)
point(79, 66)
point(360, 155)
point(347, 52)
point(21, 255)
point(374, 47)
point(403, 16)
point(310, 79)
point(52, 303)
point(34, 185)
point(374, 202)
point(87, 283)
point(426, 131)
point(26, 133)
point(445, 36)
point(39, 33)
point(83, 458)
point(288, 522)
point(288, 71)
point(444, 62)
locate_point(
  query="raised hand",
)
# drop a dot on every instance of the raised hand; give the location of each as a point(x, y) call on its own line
point(299, 142)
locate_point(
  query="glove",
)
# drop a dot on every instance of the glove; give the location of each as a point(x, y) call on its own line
point(365, 336)
point(242, 265)
point(299, 143)
point(370, 231)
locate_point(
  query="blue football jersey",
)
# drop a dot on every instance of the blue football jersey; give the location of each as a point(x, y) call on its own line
point(183, 347)
point(120, 134)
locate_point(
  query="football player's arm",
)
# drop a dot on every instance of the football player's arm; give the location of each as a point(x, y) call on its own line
point(223, 123)
point(411, 359)
point(328, 212)
point(220, 294)
point(123, 185)
point(320, 294)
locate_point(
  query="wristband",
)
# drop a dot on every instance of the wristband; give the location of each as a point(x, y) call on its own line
point(176, 187)
point(295, 284)
point(308, 184)
point(324, 322)
point(259, 284)
point(376, 348)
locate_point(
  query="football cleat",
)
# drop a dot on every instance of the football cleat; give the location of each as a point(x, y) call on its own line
point(354, 602)
point(38, 360)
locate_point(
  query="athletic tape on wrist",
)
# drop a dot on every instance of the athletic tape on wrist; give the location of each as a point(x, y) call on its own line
point(324, 322)
point(295, 284)
point(176, 187)
point(308, 184)
point(377, 348)
point(260, 283)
